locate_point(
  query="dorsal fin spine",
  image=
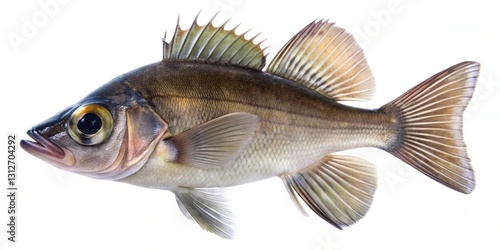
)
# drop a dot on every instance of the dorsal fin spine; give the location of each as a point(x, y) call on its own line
point(249, 60)
point(195, 24)
point(203, 52)
point(242, 51)
point(244, 48)
point(197, 43)
point(208, 50)
point(222, 28)
point(206, 41)
point(247, 63)
point(218, 51)
point(173, 52)
point(214, 44)
point(234, 44)
point(186, 45)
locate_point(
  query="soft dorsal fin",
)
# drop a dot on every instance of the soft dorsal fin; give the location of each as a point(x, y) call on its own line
point(208, 43)
point(327, 59)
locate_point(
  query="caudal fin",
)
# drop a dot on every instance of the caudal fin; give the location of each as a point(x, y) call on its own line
point(429, 118)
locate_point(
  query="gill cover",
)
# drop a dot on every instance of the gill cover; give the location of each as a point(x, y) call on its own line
point(144, 129)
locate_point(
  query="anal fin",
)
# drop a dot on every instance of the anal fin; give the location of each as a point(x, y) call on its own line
point(208, 207)
point(339, 189)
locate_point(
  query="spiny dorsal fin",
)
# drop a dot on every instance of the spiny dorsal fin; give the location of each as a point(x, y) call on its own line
point(208, 43)
point(327, 59)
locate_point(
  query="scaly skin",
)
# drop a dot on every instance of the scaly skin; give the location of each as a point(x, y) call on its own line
point(297, 127)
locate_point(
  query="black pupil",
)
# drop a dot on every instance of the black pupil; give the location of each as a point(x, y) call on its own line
point(90, 123)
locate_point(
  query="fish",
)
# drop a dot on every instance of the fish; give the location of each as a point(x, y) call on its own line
point(210, 115)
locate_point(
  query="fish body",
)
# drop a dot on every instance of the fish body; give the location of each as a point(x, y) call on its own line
point(291, 135)
point(207, 117)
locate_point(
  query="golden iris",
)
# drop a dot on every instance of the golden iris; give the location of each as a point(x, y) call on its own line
point(90, 124)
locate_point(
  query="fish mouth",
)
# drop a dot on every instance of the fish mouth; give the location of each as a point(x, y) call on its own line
point(46, 150)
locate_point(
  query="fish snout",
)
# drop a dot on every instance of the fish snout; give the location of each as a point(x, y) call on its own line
point(46, 150)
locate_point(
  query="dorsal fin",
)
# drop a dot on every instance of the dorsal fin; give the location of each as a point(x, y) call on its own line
point(327, 59)
point(208, 43)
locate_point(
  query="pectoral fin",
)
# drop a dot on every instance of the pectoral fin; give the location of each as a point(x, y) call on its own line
point(338, 188)
point(208, 207)
point(215, 143)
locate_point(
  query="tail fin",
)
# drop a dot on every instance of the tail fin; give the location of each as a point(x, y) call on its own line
point(430, 126)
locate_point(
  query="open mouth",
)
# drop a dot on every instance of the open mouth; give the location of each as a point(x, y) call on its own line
point(42, 147)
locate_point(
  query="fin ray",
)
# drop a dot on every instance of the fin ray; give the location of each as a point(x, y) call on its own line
point(215, 143)
point(293, 196)
point(429, 117)
point(211, 44)
point(339, 189)
point(208, 207)
point(327, 59)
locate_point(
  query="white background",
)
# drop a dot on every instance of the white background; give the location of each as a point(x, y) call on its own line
point(79, 45)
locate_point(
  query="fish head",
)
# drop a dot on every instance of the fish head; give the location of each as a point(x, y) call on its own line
point(103, 139)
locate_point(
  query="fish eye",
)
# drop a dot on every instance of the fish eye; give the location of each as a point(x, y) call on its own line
point(90, 124)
